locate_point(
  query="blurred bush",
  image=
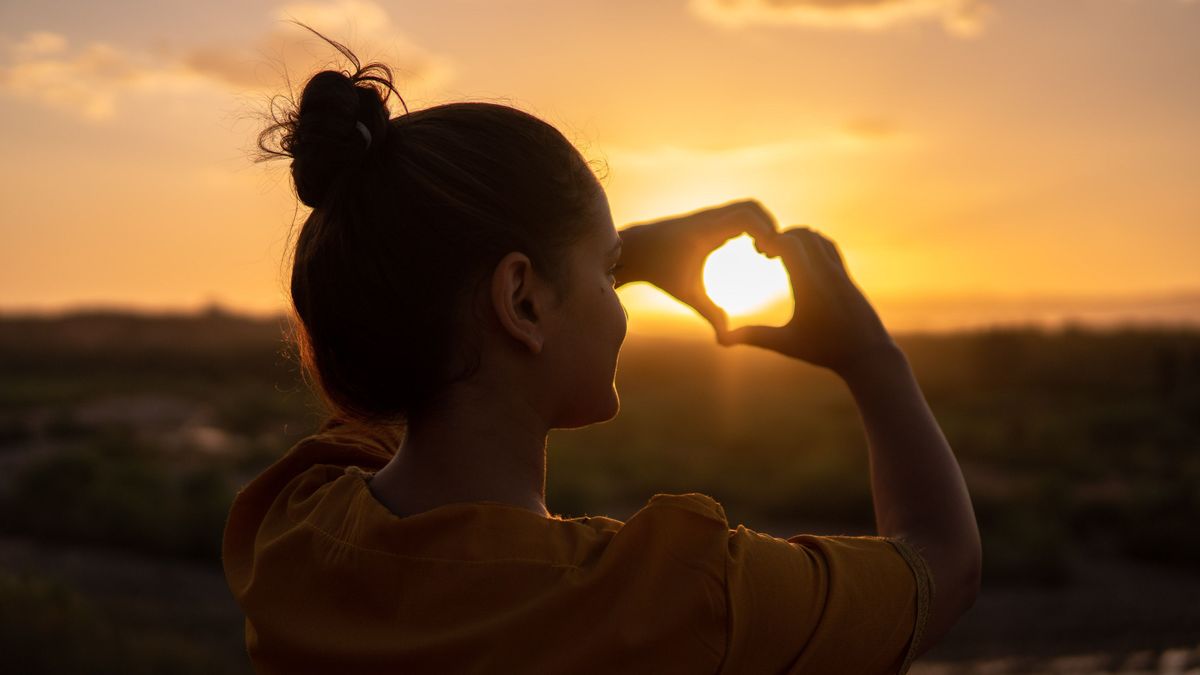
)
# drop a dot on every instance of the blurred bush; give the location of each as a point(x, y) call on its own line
point(1074, 443)
point(116, 491)
point(48, 628)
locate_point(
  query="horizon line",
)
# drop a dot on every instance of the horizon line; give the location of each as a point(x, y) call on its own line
point(1177, 309)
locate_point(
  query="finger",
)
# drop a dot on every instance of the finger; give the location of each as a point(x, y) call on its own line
point(817, 246)
point(830, 251)
point(791, 250)
point(767, 337)
point(770, 246)
point(764, 245)
point(717, 318)
point(810, 256)
point(762, 223)
point(747, 216)
point(712, 313)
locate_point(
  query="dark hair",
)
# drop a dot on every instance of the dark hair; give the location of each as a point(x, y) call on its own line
point(406, 227)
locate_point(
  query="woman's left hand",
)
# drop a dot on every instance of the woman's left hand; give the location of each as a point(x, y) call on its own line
point(670, 253)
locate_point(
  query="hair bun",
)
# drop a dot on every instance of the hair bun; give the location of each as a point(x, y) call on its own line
point(325, 141)
point(323, 133)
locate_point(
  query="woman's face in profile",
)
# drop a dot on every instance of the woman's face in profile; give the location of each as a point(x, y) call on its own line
point(593, 325)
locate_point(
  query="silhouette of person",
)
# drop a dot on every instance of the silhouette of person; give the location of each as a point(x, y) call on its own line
point(454, 299)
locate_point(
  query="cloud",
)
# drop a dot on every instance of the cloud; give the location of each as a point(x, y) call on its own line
point(871, 128)
point(964, 18)
point(92, 80)
point(88, 80)
point(291, 50)
point(39, 43)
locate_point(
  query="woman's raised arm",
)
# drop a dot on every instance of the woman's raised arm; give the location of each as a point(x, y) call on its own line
point(917, 487)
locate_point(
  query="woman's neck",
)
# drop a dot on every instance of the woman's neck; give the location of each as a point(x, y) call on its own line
point(492, 453)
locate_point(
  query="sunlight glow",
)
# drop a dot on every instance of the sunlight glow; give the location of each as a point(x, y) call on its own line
point(741, 280)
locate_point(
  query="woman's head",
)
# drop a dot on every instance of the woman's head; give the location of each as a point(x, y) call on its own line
point(394, 273)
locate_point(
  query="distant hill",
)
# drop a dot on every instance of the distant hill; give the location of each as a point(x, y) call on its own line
point(949, 312)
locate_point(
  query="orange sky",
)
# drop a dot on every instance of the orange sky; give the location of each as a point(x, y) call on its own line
point(1030, 152)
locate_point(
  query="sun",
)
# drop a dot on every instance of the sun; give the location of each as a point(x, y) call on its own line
point(743, 281)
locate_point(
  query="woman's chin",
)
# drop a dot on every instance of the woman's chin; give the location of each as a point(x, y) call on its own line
point(601, 410)
point(608, 408)
point(614, 406)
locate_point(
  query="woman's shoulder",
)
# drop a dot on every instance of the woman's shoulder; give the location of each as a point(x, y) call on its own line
point(686, 506)
point(381, 438)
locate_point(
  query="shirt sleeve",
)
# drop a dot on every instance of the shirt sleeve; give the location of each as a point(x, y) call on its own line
point(823, 604)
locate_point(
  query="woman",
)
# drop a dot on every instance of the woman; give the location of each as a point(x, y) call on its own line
point(455, 293)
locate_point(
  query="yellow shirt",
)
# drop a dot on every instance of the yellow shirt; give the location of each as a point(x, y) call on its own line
point(332, 582)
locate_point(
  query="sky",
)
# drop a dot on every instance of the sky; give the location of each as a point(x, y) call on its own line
point(976, 161)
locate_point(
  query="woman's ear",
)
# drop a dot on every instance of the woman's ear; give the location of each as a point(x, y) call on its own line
point(517, 300)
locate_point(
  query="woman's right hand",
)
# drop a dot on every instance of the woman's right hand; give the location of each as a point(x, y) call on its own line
point(833, 325)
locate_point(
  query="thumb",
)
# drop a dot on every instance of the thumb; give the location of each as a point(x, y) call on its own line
point(766, 337)
point(712, 313)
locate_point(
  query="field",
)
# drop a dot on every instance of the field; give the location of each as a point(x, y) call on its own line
point(124, 437)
